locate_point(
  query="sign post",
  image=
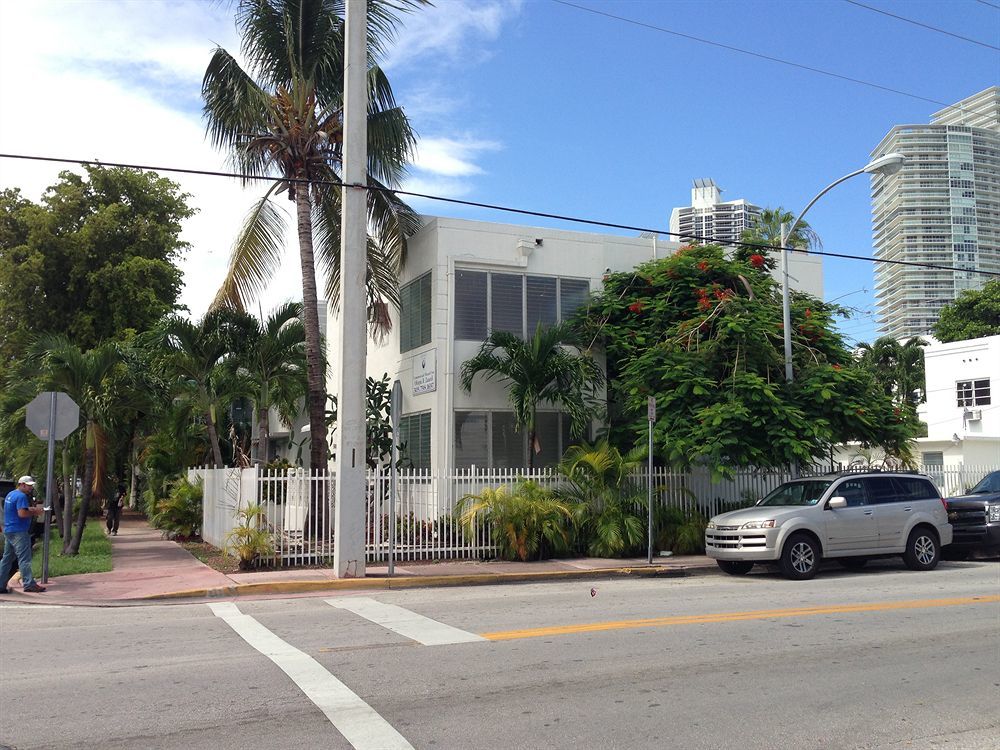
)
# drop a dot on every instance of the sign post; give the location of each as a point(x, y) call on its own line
point(651, 415)
point(395, 406)
point(51, 416)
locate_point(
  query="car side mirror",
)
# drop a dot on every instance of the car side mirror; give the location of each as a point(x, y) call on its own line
point(837, 502)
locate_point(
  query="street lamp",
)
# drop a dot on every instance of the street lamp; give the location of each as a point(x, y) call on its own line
point(884, 165)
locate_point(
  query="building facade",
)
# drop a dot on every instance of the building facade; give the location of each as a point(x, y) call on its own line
point(710, 216)
point(942, 208)
point(461, 280)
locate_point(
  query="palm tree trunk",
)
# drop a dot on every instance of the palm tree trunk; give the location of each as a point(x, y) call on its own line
point(72, 545)
point(316, 377)
point(69, 497)
point(213, 437)
point(263, 435)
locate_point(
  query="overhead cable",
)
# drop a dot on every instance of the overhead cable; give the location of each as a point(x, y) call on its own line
point(922, 25)
point(506, 209)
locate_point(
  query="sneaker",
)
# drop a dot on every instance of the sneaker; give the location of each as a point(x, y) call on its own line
point(34, 589)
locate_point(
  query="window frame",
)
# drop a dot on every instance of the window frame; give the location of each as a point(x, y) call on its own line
point(406, 419)
point(407, 322)
point(973, 392)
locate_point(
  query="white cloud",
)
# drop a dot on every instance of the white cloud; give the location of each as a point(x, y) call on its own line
point(451, 157)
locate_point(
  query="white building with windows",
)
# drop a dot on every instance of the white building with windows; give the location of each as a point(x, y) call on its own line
point(962, 412)
point(942, 208)
point(462, 279)
point(710, 216)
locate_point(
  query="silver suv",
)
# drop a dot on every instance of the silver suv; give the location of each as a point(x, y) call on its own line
point(849, 517)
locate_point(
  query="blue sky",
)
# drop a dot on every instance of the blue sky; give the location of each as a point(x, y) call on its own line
point(533, 104)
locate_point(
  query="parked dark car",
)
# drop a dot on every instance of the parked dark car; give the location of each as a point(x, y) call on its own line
point(975, 518)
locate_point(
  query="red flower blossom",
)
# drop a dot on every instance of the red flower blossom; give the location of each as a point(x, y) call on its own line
point(836, 367)
point(636, 307)
point(757, 260)
point(704, 303)
point(703, 265)
point(809, 313)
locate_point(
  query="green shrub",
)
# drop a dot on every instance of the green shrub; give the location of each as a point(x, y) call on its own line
point(249, 541)
point(683, 532)
point(525, 523)
point(180, 512)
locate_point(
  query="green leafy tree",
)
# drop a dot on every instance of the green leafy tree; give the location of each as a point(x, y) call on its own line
point(703, 334)
point(378, 425)
point(283, 118)
point(899, 368)
point(547, 368)
point(96, 258)
point(974, 314)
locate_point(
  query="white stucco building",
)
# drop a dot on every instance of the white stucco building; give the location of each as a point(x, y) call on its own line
point(962, 411)
point(463, 278)
point(710, 216)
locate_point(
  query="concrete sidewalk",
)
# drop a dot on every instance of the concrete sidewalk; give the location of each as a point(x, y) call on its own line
point(148, 567)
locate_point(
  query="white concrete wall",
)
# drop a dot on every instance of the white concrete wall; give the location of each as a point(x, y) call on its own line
point(945, 366)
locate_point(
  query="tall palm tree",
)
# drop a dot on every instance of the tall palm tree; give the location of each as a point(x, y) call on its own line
point(898, 367)
point(766, 230)
point(87, 378)
point(272, 361)
point(282, 118)
point(541, 369)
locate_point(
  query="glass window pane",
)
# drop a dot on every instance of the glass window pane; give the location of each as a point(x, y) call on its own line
point(880, 490)
point(547, 427)
point(573, 295)
point(508, 442)
point(541, 294)
point(415, 313)
point(471, 446)
point(415, 440)
point(507, 303)
point(470, 305)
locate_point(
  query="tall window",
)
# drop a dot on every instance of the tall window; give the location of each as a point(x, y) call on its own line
point(488, 439)
point(415, 313)
point(486, 301)
point(415, 439)
point(973, 392)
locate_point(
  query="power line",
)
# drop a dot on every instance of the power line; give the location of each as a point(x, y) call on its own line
point(506, 209)
point(922, 25)
point(992, 5)
point(760, 55)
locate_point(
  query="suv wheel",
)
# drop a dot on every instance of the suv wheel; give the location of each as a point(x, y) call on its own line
point(735, 567)
point(922, 550)
point(800, 558)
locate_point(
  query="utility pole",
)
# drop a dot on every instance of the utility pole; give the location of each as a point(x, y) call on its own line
point(350, 465)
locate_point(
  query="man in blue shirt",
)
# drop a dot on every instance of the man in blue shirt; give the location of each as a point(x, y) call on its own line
point(17, 513)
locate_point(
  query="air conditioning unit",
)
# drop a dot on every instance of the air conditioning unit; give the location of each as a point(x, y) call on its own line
point(974, 415)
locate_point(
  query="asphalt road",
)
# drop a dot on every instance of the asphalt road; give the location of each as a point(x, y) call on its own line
point(882, 658)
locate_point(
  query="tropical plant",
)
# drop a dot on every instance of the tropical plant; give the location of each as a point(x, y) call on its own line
point(898, 368)
point(610, 508)
point(86, 377)
point(180, 513)
point(682, 532)
point(525, 522)
point(283, 118)
point(547, 368)
point(250, 539)
point(378, 425)
point(974, 314)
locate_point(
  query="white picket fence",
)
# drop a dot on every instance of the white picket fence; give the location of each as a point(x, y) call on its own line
point(298, 507)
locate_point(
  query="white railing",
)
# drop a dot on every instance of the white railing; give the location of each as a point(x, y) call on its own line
point(298, 507)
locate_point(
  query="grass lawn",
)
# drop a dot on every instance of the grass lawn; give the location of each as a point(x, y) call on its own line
point(94, 557)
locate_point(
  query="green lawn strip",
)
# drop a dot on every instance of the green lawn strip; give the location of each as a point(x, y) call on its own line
point(94, 557)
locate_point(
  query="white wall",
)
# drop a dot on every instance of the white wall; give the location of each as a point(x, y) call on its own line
point(945, 365)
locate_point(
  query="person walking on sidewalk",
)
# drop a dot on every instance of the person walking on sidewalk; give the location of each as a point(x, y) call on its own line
point(115, 507)
point(17, 513)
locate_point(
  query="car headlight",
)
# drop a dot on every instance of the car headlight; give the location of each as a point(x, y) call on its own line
point(710, 525)
point(994, 513)
point(769, 524)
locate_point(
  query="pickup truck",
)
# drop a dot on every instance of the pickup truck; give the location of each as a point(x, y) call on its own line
point(975, 520)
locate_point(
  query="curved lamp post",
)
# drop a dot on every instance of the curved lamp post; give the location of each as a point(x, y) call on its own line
point(884, 165)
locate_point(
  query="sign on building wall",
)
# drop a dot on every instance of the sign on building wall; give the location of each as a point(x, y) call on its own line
point(425, 372)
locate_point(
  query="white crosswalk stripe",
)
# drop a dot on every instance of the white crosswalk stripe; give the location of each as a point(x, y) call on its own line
point(360, 724)
point(409, 624)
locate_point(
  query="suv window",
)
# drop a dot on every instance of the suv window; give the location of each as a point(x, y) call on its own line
point(881, 490)
point(915, 488)
point(990, 483)
point(797, 493)
point(853, 491)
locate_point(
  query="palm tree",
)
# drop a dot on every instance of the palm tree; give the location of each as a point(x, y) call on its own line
point(898, 367)
point(87, 378)
point(766, 230)
point(541, 369)
point(195, 362)
point(272, 359)
point(283, 118)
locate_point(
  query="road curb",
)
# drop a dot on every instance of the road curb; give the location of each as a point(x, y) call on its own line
point(408, 582)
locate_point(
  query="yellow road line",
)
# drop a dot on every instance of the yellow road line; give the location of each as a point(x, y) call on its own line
point(763, 614)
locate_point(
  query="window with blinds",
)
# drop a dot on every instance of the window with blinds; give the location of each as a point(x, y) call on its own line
point(415, 440)
point(415, 313)
point(486, 301)
point(489, 440)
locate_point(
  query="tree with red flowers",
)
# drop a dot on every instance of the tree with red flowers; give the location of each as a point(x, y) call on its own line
point(703, 334)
